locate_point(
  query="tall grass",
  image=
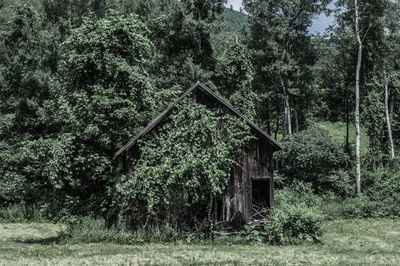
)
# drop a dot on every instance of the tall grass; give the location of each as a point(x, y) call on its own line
point(95, 230)
point(20, 213)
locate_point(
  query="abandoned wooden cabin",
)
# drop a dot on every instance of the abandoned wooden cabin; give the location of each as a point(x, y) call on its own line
point(250, 193)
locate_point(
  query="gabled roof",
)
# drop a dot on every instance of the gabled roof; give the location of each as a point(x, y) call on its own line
point(198, 85)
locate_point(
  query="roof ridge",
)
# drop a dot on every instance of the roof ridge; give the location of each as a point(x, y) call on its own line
point(206, 90)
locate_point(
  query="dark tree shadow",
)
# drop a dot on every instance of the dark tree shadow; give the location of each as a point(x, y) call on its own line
point(43, 241)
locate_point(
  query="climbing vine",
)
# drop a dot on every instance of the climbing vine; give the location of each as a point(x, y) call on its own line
point(183, 164)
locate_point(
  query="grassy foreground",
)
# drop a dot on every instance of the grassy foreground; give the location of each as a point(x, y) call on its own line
point(374, 242)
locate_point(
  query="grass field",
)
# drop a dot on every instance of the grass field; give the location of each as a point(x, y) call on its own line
point(373, 242)
point(338, 132)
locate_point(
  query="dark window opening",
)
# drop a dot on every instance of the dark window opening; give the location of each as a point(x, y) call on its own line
point(219, 212)
point(246, 148)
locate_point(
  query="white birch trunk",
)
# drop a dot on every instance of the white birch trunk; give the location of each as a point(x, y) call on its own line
point(357, 109)
point(387, 114)
point(289, 116)
point(284, 129)
point(391, 108)
point(288, 120)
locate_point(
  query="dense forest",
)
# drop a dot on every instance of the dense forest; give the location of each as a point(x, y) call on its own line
point(79, 78)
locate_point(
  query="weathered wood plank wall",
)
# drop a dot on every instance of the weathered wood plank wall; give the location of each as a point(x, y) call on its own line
point(255, 163)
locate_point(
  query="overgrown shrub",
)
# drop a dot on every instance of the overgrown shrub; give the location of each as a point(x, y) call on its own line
point(381, 190)
point(360, 207)
point(341, 183)
point(297, 193)
point(296, 217)
point(313, 156)
point(249, 235)
point(385, 193)
point(294, 224)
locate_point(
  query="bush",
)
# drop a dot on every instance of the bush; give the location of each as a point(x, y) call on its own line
point(360, 207)
point(249, 235)
point(294, 224)
point(381, 190)
point(341, 183)
point(296, 217)
point(313, 156)
point(385, 193)
point(297, 193)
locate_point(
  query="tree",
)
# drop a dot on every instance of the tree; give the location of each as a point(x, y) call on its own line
point(104, 96)
point(333, 75)
point(69, 14)
point(365, 19)
point(279, 36)
point(357, 109)
point(389, 126)
point(181, 32)
point(391, 65)
point(26, 68)
point(234, 74)
point(26, 54)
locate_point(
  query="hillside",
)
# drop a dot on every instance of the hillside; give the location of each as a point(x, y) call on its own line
point(338, 132)
point(233, 24)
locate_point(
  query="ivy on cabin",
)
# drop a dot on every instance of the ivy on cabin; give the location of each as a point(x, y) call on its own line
point(184, 163)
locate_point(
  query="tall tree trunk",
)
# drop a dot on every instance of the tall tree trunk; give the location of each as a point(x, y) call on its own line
point(284, 125)
point(391, 107)
point(357, 111)
point(296, 120)
point(347, 145)
point(387, 114)
point(288, 116)
point(277, 126)
point(288, 122)
point(268, 121)
point(373, 159)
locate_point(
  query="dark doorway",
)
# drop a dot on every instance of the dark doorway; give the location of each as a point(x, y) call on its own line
point(261, 198)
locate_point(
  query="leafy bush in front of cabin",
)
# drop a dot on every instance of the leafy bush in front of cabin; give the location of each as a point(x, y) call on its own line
point(314, 157)
point(296, 218)
point(249, 235)
point(294, 224)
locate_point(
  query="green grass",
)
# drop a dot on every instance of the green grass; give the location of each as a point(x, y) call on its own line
point(373, 242)
point(338, 132)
